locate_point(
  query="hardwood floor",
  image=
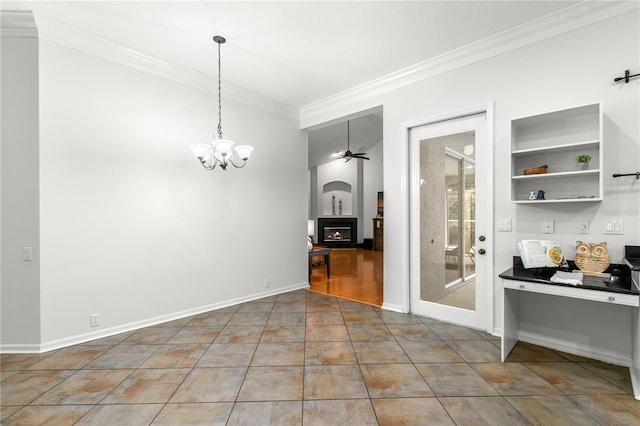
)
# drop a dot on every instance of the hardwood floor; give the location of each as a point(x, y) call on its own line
point(356, 274)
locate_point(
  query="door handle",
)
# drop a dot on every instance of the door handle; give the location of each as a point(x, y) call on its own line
point(482, 251)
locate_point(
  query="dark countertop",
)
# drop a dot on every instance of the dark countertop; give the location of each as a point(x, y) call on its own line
point(619, 282)
point(632, 257)
point(632, 263)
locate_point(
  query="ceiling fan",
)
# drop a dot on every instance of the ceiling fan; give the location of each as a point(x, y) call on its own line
point(348, 155)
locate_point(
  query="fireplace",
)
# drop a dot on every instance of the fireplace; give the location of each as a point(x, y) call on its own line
point(338, 232)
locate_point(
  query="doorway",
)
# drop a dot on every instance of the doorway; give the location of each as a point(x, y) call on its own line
point(348, 189)
point(450, 216)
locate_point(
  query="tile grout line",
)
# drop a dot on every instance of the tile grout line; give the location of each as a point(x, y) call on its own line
point(304, 358)
point(569, 395)
point(359, 365)
point(598, 375)
point(190, 369)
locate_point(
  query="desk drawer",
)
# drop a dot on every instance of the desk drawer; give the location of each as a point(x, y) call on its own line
point(574, 292)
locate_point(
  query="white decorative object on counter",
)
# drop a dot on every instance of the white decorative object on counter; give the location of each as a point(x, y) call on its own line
point(573, 278)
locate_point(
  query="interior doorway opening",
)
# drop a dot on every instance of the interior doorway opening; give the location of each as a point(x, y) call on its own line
point(345, 189)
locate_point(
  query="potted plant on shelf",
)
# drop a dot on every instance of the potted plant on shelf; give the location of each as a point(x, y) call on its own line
point(583, 161)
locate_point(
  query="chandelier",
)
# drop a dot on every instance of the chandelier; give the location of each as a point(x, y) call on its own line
point(220, 151)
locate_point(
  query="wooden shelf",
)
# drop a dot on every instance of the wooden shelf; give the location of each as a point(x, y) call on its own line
point(557, 148)
point(560, 200)
point(557, 174)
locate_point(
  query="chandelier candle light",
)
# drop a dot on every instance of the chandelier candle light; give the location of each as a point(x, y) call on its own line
point(220, 151)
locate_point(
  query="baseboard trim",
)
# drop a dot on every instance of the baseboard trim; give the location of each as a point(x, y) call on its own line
point(392, 307)
point(571, 348)
point(20, 349)
point(86, 337)
point(577, 349)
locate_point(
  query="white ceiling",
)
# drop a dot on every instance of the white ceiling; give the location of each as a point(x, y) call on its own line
point(296, 52)
point(326, 142)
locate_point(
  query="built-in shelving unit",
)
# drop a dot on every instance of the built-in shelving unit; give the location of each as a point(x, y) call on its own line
point(555, 139)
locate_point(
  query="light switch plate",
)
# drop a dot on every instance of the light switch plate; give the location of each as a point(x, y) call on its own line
point(613, 227)
point(504, 225)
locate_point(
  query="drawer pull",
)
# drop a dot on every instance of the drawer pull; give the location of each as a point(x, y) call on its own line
point(612, 299)
point(521, 285)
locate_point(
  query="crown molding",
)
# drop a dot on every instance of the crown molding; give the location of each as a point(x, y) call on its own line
point(21, 24)
point(18, 24)
point(93, 44)
point(564, 21)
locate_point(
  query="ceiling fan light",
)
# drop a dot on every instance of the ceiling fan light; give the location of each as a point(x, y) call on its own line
point(244, 151)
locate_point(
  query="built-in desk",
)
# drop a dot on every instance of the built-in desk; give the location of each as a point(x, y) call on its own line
point(517, 281)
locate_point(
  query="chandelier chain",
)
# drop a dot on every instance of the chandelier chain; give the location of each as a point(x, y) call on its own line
point(219, 94)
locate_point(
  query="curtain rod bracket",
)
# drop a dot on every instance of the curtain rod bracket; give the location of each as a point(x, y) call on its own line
point(626, 77)
point(636, 174)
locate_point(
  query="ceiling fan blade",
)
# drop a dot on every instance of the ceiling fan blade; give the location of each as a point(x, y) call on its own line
point(347, 159)
point(360, 156)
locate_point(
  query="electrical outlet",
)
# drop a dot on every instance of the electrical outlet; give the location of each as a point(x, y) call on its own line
point(583, 227)
point(94, 320)
point(267, 283)
point(547, 227)
point(27, 253)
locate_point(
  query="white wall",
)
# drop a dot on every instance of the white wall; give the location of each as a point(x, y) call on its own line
point(132, 227)
point(337, 171)
point(20, 280)
point(373, 183)
point(567, 70)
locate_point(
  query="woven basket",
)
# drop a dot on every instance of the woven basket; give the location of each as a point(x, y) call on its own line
point(590, 264)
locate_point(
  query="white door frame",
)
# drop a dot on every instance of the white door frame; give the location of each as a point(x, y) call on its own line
point(405, 197)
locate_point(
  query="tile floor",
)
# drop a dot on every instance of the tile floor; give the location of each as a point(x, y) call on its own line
point(307, 358)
